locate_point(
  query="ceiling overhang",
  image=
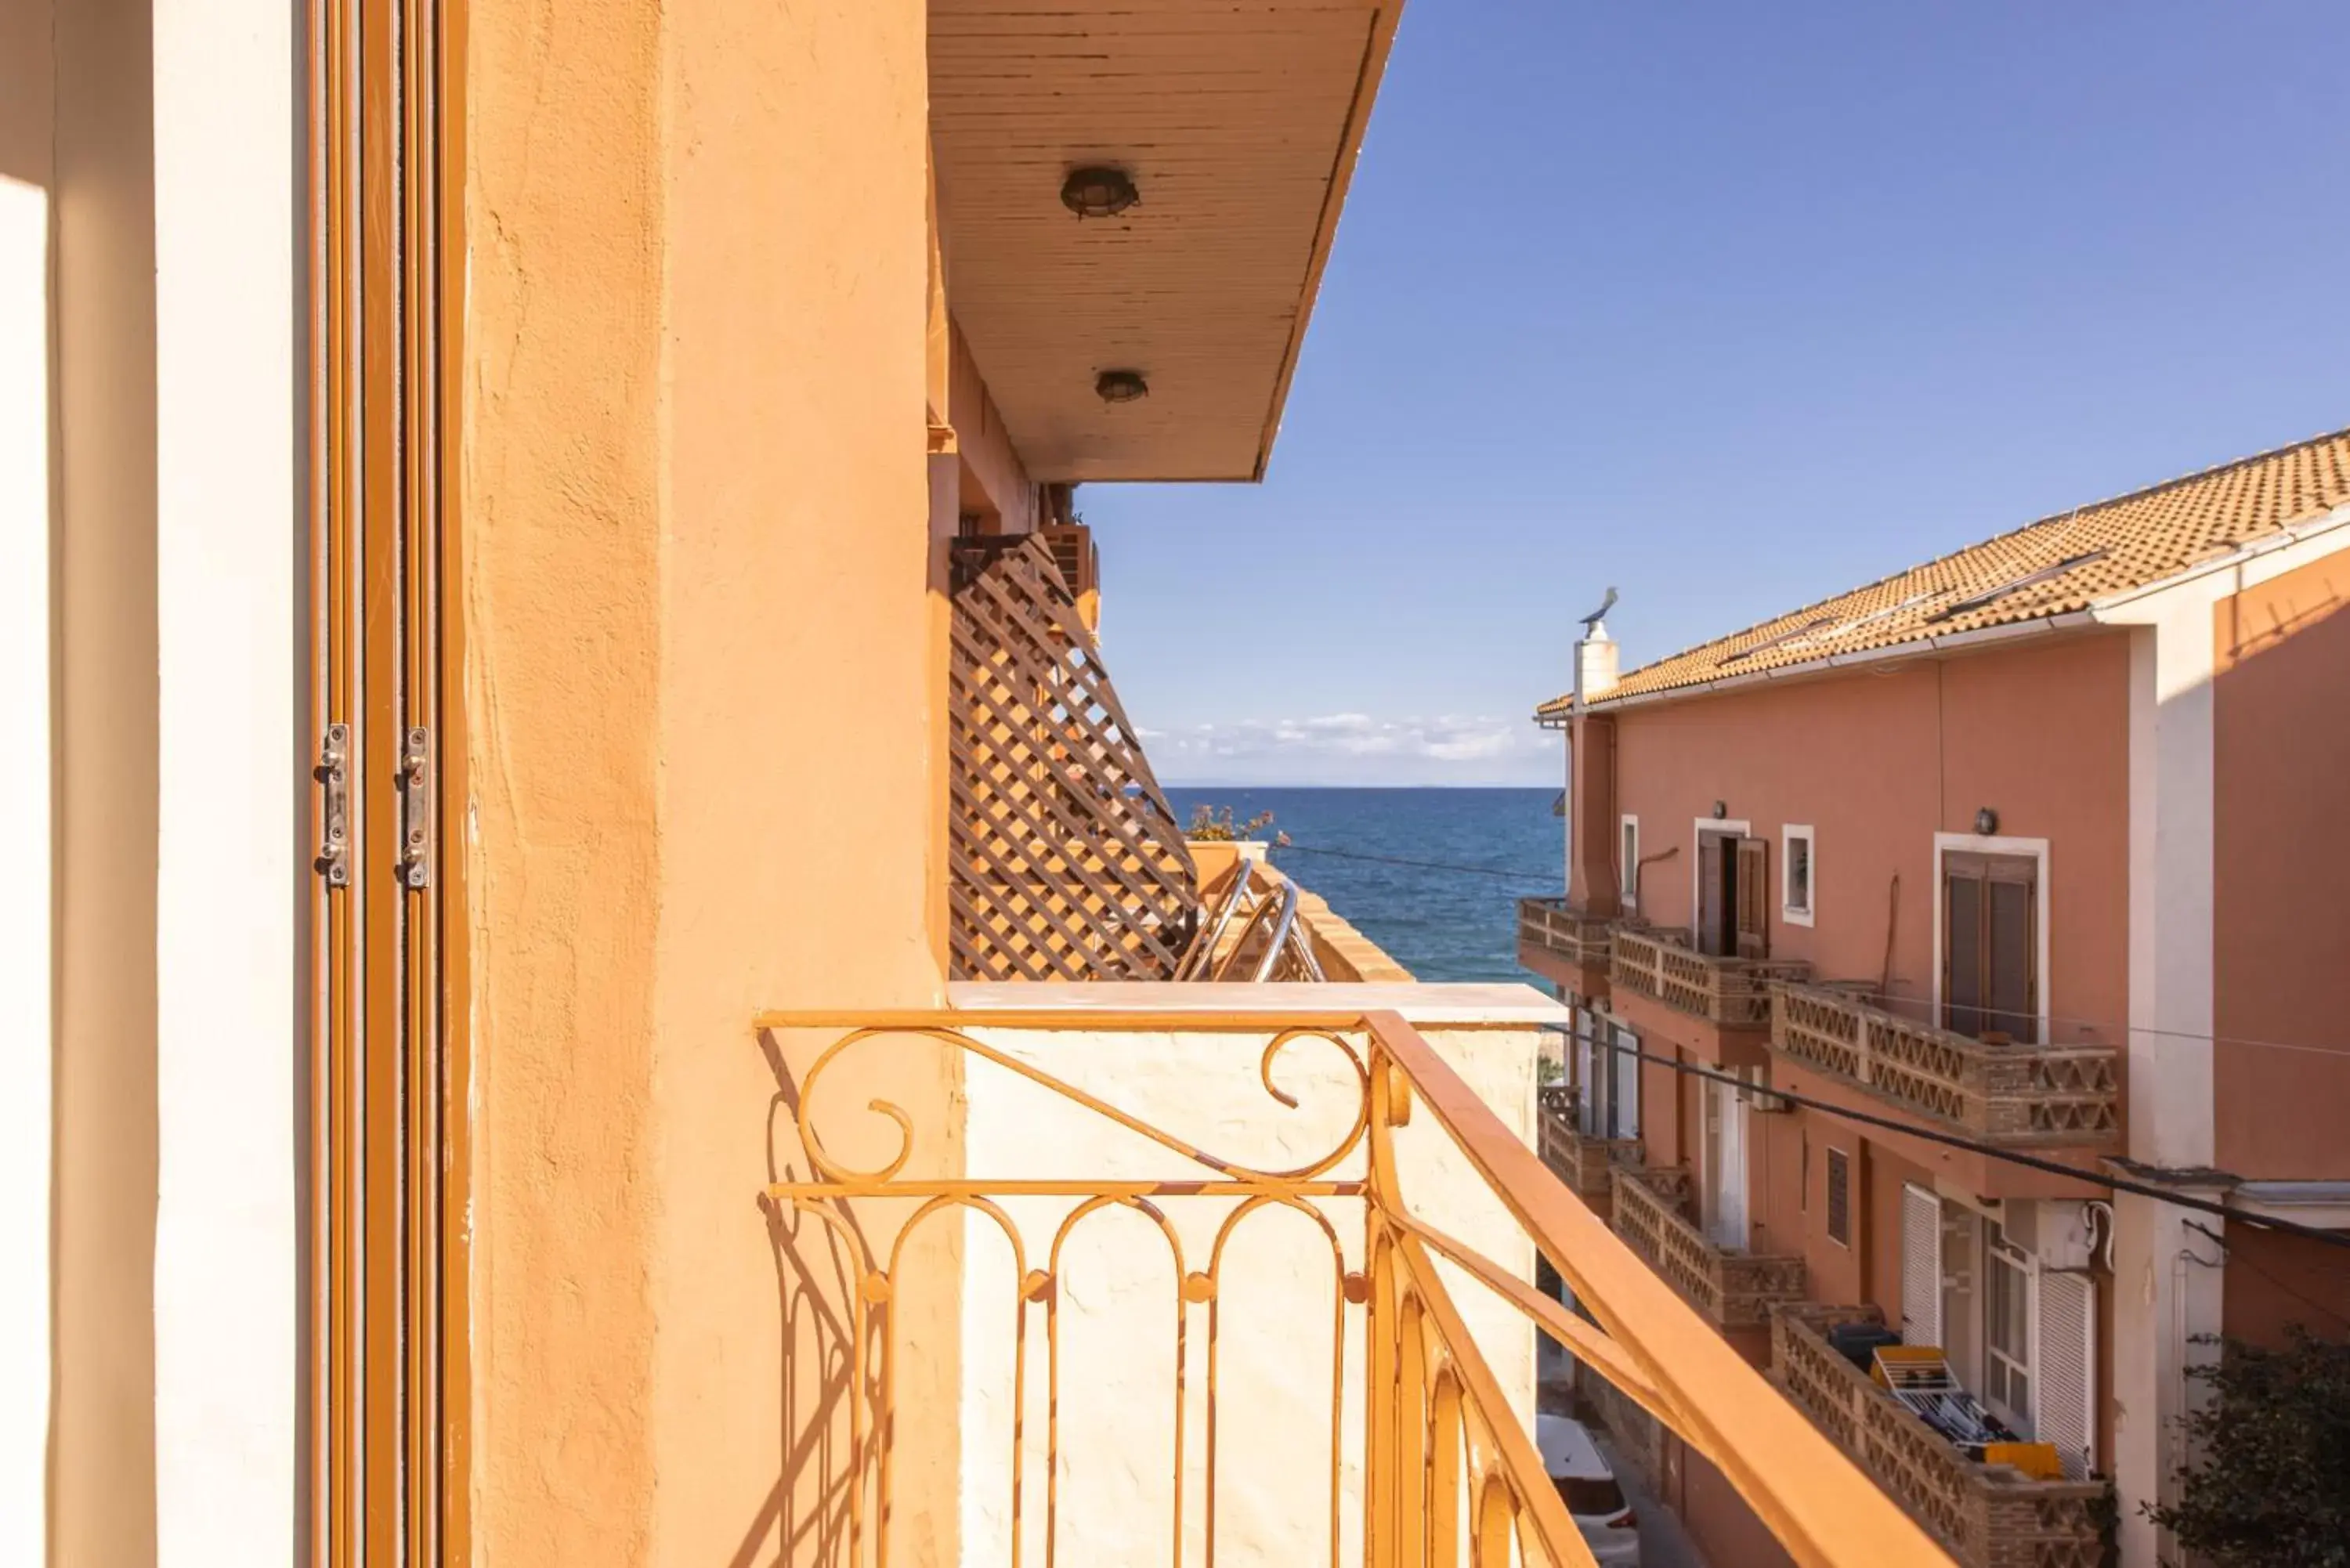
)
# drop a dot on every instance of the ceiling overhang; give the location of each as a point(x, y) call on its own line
point(1239, 123)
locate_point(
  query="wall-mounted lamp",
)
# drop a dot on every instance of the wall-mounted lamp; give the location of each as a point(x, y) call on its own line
point(1720, 809)
point(1098, 192)
point(1121, 386)
point(1986, 822)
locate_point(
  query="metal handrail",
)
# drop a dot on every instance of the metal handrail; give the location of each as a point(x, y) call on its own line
point(1203, 946)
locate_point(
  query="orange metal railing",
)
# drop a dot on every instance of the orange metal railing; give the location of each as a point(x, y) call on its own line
point(1450, 1474)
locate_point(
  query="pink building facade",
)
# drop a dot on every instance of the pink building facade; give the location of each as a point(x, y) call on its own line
point(2024, 871)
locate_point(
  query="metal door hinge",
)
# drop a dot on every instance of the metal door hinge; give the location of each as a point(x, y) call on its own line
point(416, 808)
point(333, 774)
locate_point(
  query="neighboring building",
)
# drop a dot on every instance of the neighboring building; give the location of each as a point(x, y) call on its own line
point(554, 733)
point(2036, 846)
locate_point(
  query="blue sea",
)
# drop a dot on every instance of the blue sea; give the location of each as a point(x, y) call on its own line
point(1454, 918)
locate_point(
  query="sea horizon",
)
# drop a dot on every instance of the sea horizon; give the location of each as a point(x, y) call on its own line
point(1432, 873)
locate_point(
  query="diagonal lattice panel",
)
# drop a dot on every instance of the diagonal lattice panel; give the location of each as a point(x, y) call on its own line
point(1066, 861)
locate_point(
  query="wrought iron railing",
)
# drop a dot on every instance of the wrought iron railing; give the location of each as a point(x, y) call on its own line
point(1990, 1516)
point(1733, 992)
point(1449, 1471)
point(1554, 926)
point(2008, 1093)
point(1576, 1157)
point(1730, 1287)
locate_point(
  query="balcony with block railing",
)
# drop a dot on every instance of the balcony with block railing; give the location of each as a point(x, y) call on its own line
point(1730, 1288)
point(1306, 1344)
point(1727, 993)
point(1584, 1162)
point(1989, 1516)
point(1563, 944)
point(2009, 1094)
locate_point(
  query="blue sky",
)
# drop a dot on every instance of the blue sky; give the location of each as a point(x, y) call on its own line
point(1733, 306)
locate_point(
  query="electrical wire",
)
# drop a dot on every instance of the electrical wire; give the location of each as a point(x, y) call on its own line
point(2032, 1162)
point(1544, 879)
point(2107, 1025)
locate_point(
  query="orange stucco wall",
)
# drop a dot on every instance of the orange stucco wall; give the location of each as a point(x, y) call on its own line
point(702, 712)
point(2282, 875)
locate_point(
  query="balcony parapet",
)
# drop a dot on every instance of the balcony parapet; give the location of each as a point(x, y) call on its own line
point(1729, 1287)
point(1555, 925)
point(1730, 992)
point(2009, 1094)
point(1582, 1162)
point(1990, 1516)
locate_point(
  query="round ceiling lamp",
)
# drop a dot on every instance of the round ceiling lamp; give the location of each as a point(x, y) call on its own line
point(1121, 386)
point(1100, 191)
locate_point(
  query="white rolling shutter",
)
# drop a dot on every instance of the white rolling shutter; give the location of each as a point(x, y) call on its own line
point(1921, 1266)
point(2064, 1380)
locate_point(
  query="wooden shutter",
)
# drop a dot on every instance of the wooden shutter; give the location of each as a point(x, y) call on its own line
point(1921, 1266)
point(1839, 1200)
point(1712, 932)
point(2065, 1369)
point(1990, 945)
point(387, 1473)
point(1751, 885)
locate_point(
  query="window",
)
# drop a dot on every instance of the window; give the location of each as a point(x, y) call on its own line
point(2007, 1329)
point(1990, 945)
point(1796, 875)
point(1839, 1197)
point(1627, 874)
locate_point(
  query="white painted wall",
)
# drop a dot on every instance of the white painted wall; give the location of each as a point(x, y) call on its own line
point(26, 954)
point(228, 553)
point(1118, 1284)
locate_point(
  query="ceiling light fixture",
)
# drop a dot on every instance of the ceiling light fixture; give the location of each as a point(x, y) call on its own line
point(1121, 386)
point(1100, 191)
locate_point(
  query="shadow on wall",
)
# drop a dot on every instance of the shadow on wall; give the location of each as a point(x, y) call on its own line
point(2281, 861)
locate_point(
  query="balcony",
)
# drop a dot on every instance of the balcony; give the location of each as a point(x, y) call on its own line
point(1728, 992)
point(1730, 1289)
point(1989, 1516)
point(1265, 1351)
point(1585, 1163)
point(1561, 943)
point(2006, 1094)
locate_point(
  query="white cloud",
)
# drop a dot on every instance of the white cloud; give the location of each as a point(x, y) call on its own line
point(1356, 748)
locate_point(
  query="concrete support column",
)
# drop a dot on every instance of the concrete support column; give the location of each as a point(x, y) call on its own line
point(702, 723)
point(1594, 881)
point(2166, 1274)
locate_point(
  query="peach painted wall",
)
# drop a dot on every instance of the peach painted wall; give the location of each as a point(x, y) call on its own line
point(1879, 764)
point(2282, 875)
point(702, 708)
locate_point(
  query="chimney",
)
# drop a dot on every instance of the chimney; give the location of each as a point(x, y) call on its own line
point(1595, 662)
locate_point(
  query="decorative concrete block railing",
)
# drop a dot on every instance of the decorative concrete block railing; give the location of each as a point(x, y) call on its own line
point(2011, 1093)
point(1554, 926)
point(1578, 1159)
point(1990, 1516)
point(1733, 1289)
point(1733, 992)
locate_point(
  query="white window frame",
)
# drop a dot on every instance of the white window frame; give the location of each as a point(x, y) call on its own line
point(1995, 1255)
point(1628, 876)
point(1995, 844)
point(1788, 834)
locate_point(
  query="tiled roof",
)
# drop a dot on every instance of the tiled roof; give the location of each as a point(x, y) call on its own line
point(2058, 565)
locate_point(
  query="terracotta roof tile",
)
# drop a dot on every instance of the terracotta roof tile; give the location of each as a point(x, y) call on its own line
point(2057, 564)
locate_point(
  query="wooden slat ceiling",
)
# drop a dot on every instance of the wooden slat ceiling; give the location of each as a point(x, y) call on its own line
point(1239, 121)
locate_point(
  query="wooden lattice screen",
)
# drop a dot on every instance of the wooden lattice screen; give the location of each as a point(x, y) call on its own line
point(1066, 861)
